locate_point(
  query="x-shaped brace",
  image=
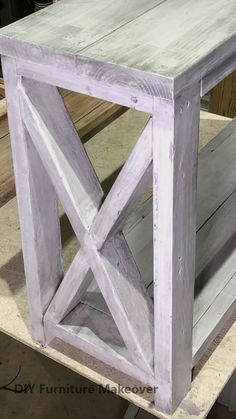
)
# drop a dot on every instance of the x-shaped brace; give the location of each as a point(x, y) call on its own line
point(98, 224)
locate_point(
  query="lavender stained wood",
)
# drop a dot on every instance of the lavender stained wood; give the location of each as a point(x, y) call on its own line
point(123, 45)
point(175, 150)
point(37, 203)
point(113, 266)
point(124, 195)
point(135, 60)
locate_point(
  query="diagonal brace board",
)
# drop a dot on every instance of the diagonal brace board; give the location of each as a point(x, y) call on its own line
point(114, 271)
point(76, 173)
point(124, 194)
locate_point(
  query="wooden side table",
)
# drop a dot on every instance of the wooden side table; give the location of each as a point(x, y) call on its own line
point(159, 59)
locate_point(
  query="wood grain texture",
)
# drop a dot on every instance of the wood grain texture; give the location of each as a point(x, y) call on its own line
point(62, 153)
point(89, 116)
point(38, 212)
point(175, 150)
point(10, 309)
point(106, 40)
point(127, 89)
point(71, 290)
point(223, 97)
point(124, 196)
point(80, 193)
point(2, 88)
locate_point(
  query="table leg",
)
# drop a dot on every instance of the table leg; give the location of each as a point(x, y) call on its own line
point(175, 150)
point(38, 210)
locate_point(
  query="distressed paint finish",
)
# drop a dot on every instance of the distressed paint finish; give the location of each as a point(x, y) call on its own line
point(80, 194)
point(37, 203)
point(142, 55)
point(175, 150)
point(124, 46)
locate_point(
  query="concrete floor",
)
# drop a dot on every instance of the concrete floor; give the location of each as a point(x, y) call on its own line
point(108, 149)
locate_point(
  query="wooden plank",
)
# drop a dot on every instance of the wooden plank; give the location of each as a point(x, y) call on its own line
point(14, 306)
point(133, 93)
point(183, 51)
point(174, 232)
point(214, 77)
point(4, 127)
point(222, 101)
point(216, 256)
point(62, 154)
point(113, 268)
point(214, 376)
point(120, 270)
point(2, 88)
point(112, 212)
point(211, 236)
point(38, 212)
point(212, 322)
point(14, 321)
point(216, 180)
point(89, 22)
point(89, 116)
point(71, 290)
point(124, 195)
point(3, 107)
point(97, 334)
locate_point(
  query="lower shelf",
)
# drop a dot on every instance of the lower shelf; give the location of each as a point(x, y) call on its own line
point(90, 325)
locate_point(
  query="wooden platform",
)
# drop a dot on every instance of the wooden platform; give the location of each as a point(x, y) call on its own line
point(216, 199)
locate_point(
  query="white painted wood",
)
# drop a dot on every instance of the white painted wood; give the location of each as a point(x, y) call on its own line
point(113, 268)
point(216, 173)
point(95, 348)
point(127, 189)
point(205, 387)
point(216, 256)
point(180, 48)
point(175, 150)
point(62, 153)
point(218, 74)
point(132, 49)
point(38, 212)
point(78, 82)
point(71, 290)
point(72, 25)
point(210, 324)
point(120, 283)
point(129, 55)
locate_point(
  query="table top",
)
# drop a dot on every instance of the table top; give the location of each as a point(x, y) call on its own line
point(164, 37)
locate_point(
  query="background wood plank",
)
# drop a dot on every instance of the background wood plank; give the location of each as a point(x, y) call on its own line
point(223, 97)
